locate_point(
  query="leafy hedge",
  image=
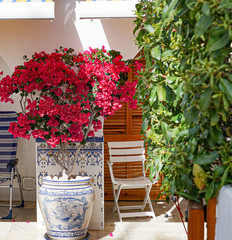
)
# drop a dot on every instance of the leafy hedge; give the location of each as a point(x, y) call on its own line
point(185, 92)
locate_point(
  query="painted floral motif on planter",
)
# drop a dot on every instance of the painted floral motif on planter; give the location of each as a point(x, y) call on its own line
point(68, 213)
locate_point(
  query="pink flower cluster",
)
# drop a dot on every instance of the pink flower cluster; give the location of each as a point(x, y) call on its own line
point(61, 91)
point(138, 66)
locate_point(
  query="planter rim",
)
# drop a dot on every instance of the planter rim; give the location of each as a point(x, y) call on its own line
point(78, 179)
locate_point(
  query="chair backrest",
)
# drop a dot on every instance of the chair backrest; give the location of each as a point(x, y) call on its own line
point(127, 159)
point(8, 144)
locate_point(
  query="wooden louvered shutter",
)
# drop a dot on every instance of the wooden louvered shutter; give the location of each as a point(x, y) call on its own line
point(125, 125)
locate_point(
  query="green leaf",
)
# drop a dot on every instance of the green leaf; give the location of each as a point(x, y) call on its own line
point(217, 42)
point(226, 4)
point(224, 177)
point(209, 192)
point(223, 114)
point(148, 59)
point(166, 131)
point(145, 124)
point(168, 9)
point(156, 53)
point(188, 196)
point(214, 117)
point(193, 145)
point(158, 163)
point(179, 92)
point(191, 114)
point(161, 93)
point(230, 77)
point(216, 189)
point(206, 9)
point(216, 31)
point(225, 103)
point(193, 130)
point(173, 186)
point(202, 25)
point(149, 28)
point(206, 159)
point(188, 132)
point(166, 54)
point(190, 4)
point(152, 97)
point(226, 87)
point(199, 176)
point(216, 135)
point(205, 99)
point(185, 100)
point(187, 181)
point(152, 173)
point(171, 79)
point(219, 170)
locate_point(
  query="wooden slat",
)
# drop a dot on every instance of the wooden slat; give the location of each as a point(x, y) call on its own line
point(211, 218)
point(127, 151)
point(195, 221)
point(129, 124)
point(137, 195)
point(127, 159)
point(127, 144)
point(117, 137)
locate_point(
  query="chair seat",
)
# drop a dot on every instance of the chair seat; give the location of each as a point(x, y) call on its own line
point(139, 181)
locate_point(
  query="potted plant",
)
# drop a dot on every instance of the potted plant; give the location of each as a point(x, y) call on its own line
point(185, 93)
point(62, 97)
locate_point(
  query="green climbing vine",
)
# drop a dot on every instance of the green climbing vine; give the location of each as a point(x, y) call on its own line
point(185, 92)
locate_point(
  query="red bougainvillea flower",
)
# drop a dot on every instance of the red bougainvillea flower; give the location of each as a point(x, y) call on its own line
point(63, 94)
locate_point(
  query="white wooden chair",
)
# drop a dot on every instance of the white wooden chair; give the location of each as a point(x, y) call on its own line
point(127, 171)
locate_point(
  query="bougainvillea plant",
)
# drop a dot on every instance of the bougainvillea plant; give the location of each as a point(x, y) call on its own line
point(63, 95)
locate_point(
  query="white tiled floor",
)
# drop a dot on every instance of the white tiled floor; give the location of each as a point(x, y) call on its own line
point(138, 231)
point(129, 229)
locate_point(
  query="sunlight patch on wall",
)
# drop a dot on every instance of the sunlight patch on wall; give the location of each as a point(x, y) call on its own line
point(91, 33)
point(4, 67)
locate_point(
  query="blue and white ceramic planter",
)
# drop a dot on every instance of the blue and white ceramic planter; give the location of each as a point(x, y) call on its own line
point(66, 206)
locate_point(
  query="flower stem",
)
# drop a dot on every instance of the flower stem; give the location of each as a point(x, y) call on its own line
point(93, 113)
point(57, 159)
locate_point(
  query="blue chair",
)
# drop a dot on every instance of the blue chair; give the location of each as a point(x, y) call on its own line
point(8, 160)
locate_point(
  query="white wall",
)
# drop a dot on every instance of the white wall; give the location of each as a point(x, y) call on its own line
point(224, 214)
point(24, 37)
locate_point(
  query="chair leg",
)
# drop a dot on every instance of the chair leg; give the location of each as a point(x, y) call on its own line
point(20, 188)
point(9, 216)
point(148, 200)
point(116, 197)
point(145, 201)
point(151, 208)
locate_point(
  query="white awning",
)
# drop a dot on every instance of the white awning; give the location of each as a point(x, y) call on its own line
point(106, 9)
point(27, 9)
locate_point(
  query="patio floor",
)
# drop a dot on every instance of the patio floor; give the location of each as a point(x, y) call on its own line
point(23, 226)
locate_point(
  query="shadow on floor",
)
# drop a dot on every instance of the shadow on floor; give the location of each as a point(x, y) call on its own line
point(130, 229)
